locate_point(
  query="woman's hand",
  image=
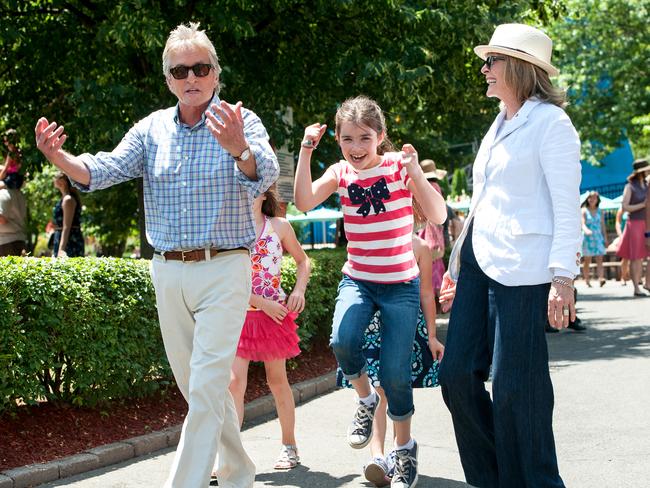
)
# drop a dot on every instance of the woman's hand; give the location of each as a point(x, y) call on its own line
point(296, 301)
point(447, 292)
point(275, 310)
point(436, 348)
point(561, 305)
point(588, 232)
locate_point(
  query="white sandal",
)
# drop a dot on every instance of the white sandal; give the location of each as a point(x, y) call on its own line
point(288, 458)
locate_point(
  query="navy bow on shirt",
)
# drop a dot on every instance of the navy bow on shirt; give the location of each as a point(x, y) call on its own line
point(373, 195)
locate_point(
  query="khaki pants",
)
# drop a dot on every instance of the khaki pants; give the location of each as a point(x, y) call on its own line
point(202, 307)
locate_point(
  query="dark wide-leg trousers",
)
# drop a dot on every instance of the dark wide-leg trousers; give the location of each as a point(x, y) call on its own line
point(505, 441)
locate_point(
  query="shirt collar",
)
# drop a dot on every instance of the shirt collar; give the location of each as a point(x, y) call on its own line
point(177, 120)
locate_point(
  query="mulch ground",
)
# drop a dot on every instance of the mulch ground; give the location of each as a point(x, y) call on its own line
point(46, 432)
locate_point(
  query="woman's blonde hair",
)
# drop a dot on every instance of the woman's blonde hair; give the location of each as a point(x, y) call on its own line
point(365, 111)
point(189, 35)
point(528, 80)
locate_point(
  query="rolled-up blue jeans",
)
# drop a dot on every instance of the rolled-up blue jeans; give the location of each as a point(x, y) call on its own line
point(505, 441)
point(399, 303)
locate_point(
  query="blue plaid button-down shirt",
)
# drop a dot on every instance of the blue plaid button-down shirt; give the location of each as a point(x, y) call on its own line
point(195, 196)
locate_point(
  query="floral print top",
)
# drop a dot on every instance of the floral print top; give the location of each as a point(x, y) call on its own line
point(266, 261)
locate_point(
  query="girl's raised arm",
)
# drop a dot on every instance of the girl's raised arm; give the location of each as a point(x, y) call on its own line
point(432, 203)
point(308, 194)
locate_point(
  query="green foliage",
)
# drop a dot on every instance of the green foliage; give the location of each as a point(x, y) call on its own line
point(602, 52)
point(316, 319)
point(41, 196)
point(458, 183)
point(95, 67)
point(85, 330)
point(79, 331)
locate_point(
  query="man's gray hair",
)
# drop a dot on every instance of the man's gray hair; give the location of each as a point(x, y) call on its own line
point(189, 35)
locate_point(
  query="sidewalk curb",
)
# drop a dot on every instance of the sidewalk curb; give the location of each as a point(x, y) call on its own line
point(108, 454)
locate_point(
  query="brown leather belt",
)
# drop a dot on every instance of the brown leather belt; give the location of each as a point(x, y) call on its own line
point(194, 255)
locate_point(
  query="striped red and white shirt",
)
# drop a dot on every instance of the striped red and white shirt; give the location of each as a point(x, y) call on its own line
point(378, 221)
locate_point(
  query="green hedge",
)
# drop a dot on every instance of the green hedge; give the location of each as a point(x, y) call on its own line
point(85, 330)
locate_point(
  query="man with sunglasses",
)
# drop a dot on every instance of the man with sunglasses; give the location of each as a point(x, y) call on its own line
point(202, 163)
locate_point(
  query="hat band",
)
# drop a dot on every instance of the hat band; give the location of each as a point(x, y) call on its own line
point(514, 49)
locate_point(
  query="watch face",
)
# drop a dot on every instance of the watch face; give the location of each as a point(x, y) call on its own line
point(244, 155)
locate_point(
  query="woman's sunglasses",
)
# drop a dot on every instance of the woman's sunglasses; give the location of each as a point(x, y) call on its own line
point(181, 72)
point(489, 61)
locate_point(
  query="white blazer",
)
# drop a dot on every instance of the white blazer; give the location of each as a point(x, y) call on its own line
point(526, 199)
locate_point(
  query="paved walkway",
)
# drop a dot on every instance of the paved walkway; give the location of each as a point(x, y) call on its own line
point(602, 419)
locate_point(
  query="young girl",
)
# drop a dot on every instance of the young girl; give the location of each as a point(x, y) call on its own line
point(269, 332)
point(427, 352)
point(381, 272)
point(594, 242)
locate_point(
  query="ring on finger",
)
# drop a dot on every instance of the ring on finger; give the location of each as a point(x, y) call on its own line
point(565, 311)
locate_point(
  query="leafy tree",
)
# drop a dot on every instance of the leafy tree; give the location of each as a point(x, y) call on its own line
point(602, 52)
point(458, 183)
point(95, 67)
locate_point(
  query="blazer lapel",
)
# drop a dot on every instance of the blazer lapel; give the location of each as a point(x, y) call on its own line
point(519, 120)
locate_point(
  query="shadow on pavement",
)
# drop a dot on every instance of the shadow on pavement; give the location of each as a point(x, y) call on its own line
point(604, 338)
point(302, 476)
point(429, 482)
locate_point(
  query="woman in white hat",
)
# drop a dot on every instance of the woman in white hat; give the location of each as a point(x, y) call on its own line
point(512, 269)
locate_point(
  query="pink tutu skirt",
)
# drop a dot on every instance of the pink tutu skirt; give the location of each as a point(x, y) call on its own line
point(632, 244)
point(264, 340)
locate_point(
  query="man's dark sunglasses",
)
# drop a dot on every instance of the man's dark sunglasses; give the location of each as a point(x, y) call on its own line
point(181, 72)
point(489, 61)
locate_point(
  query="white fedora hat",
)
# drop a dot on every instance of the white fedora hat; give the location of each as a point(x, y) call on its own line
point(523, 42)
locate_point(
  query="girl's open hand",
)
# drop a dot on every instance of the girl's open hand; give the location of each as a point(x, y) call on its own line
point(275, 310)
point(296, 301)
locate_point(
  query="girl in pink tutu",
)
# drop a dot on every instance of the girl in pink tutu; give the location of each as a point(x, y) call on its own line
point(269, 332)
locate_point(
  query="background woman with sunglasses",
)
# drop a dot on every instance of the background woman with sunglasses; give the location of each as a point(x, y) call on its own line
point(512, 270)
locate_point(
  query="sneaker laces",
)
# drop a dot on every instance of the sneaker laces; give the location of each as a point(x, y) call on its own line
point(362, 419)
point(403, 464)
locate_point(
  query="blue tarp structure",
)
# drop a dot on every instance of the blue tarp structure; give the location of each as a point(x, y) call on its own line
point(320, 225)
point(610, 178)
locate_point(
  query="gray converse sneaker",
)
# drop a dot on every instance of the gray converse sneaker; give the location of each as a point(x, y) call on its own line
point(390, 463)
point(375, 471)
point(406, 468)
point(360, 430)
